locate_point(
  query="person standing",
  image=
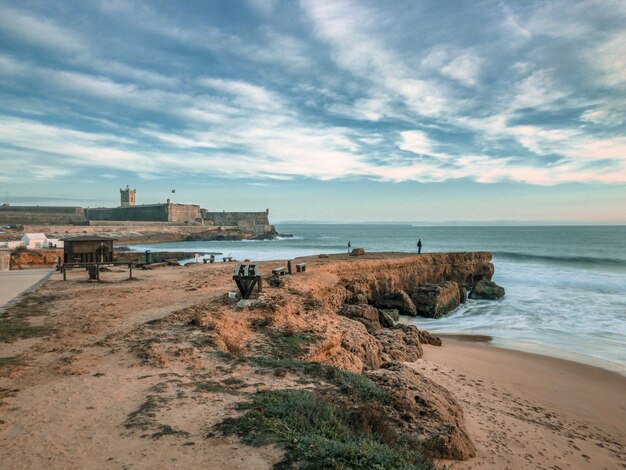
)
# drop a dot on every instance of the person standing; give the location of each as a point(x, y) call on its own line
point(419, 246)
point(349, 246)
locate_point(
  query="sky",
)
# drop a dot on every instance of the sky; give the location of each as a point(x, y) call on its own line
point(319, 110)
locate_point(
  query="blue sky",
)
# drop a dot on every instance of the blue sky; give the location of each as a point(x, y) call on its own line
point(319, 110)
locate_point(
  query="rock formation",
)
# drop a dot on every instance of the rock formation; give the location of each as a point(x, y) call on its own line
point(398, 300)
point(426, 411)
point(487, 290)
point(435, 300)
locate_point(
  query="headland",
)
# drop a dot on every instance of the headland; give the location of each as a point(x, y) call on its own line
point(168, 369)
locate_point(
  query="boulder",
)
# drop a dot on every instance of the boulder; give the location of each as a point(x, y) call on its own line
point(388, 317)
point(463, 292)
point(397, 300)
point(362, 313)
point(486, 290)
point(435, 300)
point(392, 312)
point(428, 338)
point(426, 411)
point(356, 297)
point(357, 252)
point(400, 343)
point(385, 319)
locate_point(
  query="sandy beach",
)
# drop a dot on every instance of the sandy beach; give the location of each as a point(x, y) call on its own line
point(529, 411)
point(119, 375)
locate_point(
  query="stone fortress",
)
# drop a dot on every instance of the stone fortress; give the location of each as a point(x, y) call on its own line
point(129, 213)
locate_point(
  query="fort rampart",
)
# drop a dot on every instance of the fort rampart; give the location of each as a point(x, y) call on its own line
point(52, 215)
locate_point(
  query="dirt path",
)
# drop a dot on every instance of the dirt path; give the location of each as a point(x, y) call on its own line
point(66, 399)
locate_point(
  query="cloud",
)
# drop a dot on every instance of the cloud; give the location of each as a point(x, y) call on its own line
point(464, 68)
point(416, 142)
point(320, 90)
point(38, 32)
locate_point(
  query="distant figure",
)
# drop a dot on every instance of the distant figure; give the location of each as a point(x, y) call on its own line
point(419, 246)
point(349, 246)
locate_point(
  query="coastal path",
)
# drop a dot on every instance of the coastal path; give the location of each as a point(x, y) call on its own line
point(13, 283)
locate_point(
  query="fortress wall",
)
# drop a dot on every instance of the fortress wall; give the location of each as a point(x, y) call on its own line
point(131, 223)
point(249, 221)
point(184, 213)
point(118, 227)
point(147, 212)
point(41, 215)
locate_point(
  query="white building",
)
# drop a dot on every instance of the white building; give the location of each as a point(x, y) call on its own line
point(34, 241)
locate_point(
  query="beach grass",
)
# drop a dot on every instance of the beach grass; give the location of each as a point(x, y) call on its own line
point(349, 382)
point(316, 433)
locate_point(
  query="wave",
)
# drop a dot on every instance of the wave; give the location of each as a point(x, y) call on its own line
point(277, 239)
point(567, 260)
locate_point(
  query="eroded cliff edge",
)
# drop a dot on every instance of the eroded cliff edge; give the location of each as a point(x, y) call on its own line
point(327, 317)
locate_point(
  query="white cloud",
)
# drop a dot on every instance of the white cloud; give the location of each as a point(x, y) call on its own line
point(416, 142)
point(464, 68)
point(37, 32)
point(346, 26)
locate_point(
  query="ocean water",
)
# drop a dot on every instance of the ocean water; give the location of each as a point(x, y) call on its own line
point(565, 286)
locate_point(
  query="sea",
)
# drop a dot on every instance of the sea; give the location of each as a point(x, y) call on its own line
point(565, 285)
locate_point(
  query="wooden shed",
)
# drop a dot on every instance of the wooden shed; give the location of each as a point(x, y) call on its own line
point(88, 249)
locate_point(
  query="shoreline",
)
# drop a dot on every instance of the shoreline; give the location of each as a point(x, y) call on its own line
point(540, 350)
point(524, 409)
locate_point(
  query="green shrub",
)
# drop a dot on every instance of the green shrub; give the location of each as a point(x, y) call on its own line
point(317, 434)
point(361, 386)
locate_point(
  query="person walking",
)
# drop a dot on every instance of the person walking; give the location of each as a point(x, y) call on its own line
point(419, 246)
point(349, 246)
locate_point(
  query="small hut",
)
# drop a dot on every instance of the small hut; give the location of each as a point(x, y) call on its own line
point(34, 241)
point(88, 249)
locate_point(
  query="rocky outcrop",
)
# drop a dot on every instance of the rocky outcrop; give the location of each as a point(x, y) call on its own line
point(398, 300)
point(435, 300)
point(357, 252)
point(400, 343)
point(428, 338)
point(376, 274)
point(229, 235)
point(486, 290)
point(362, 313)
point(426, 411)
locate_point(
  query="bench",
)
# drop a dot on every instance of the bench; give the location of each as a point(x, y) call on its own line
point(300, 268)
point(278, 272)
point(227, 258)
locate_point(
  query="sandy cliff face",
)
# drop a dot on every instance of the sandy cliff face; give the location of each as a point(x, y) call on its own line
point(373, 278)
point(34, 258)
point(333, 305)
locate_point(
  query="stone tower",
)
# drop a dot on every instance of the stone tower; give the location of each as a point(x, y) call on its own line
point(127, 197)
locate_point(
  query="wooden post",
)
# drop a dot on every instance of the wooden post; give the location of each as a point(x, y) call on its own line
point(130, 266)
point(64, 273)
point(289, 266)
